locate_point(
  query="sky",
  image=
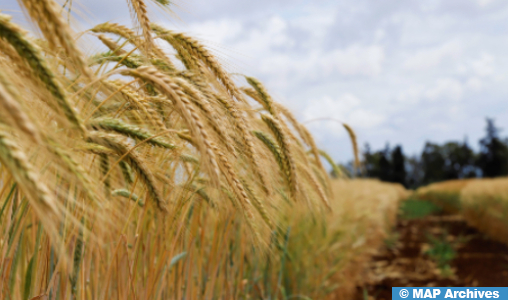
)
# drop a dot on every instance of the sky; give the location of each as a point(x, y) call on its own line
point(397, 71)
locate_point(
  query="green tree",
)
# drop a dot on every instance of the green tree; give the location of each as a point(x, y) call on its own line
point(398, 166)
point(414, 177)
point(433, 163)
point(493, 158)
point(459, 160)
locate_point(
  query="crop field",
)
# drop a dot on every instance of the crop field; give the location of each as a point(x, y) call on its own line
point(451, 233)
point(134, 165)
point(445, 194)
point(482, 202)
point(147, 171)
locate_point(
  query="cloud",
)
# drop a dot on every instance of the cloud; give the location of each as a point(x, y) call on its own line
point(484, 66)
point(346, 108)
point(432, 57)
point(445, 89)
point(354, 60)
point(398, 71)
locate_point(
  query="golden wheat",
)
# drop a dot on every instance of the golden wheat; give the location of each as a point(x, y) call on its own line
point(173, 185)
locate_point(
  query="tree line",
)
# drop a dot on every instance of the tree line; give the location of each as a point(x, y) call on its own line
point(451, 160)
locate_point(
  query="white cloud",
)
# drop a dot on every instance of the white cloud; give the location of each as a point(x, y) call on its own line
point(219, 31)
point(483, 3)
point(355, 60)
point(474, 84)
point(484, 66)
point(411, 95)
point(429, 58)
point(445, 89)
point(346, 108)
point(387, 68)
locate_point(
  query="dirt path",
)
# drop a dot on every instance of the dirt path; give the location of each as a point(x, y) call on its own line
point(435, 250)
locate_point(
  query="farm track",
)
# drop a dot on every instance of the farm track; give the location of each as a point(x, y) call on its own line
point(404, 260)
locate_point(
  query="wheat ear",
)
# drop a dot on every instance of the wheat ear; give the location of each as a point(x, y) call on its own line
point(130, 131)
point(289, 165)
point(12, 107)
point(112, 45)
point(204, 105)
point(139, 7)
point(118, 144)
point(294, 122)
point(57, 32)
point(32, 55)
point(354, 142)
point(11, 59)
point(95, 149)
point(127, 194)
point(258, 205)
point(132, 96)
point(313, 146)
point(274, 149)
point(119, 30)
point(243, 127)
point(234, 181)
point(130, 61)
point(266, 99)
point(329, 159)
point(131, 36)
point(126, 172)
point(104, 166)
point(200, 192)
point(197, 50)
point(174, 92)
point(313, 181)
point(74, 167)
point(20, 168)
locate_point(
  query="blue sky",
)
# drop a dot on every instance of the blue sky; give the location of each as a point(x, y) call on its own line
point(398, 71)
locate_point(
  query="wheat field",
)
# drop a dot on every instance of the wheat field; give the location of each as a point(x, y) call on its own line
point(148, 171)
point(445, 194)
point(485, 206)
point(481, 202)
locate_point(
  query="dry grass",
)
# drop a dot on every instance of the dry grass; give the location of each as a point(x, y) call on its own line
point(445, 194)
point(485, 206)
point(482, 202)
point(125, 177)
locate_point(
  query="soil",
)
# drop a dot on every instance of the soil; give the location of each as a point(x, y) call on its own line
point(404, 260)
